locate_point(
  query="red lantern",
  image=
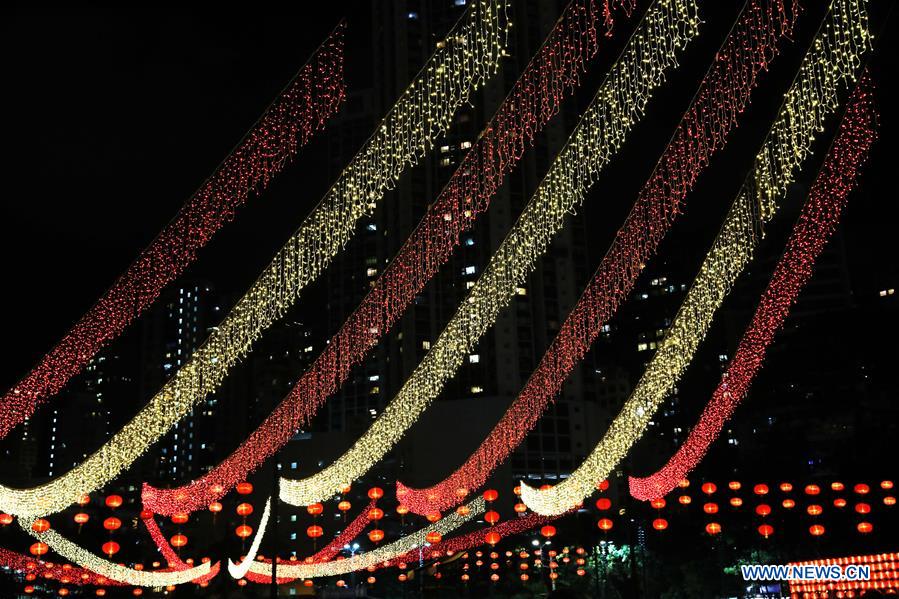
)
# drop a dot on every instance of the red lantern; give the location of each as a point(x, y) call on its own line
point(602, 485)
point(812, 490)
point(110, 548)
point(710, 508)
point(862, 489)
point(837, 486)
point(463, 510)
point(520, 508)
point(660, 524)
point(113, 501)
point(491, 517)
point(886, 484)
point(862, 508)
point(734, 485)
point(713, 528)
point(814, 510)
point(766, 530)
point(215, 507)
point(180, 518)
point(244, 509)
point(179, 540)
point(816, 530)
point(760, 489)
point(786, 487)
point(375, 513)
point(683, 483)
point(684, 500)
point(146, 514)
point(244, 488)
point(315, 509)
point(839, 502)
point(435, 516)
point(81, 518)
point(657, 503)
point(605, 524)
point(5, 519)
point(112, 524)
point(491, 495)
point(344, 489)
point(603, 503)
point(243, 531)
point(40, 525)
point(548, 531)
point(736, 501)
point(865, 527)
point(709, 488)
point(39, 549)
point(402, 510)
point(763, 509)
point(314, 531)
point(492, 538)
point(433, 537)
point(788, 504)
point(889, 500)
point(376, 535)
point(375, 493)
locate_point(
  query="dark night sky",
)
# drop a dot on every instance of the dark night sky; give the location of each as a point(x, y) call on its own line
point(114, 115)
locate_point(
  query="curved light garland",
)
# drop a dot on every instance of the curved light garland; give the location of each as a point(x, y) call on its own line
point(549, 77)
point(62, 573)
point(300, 111)
point(817, 222)
point(715, 110)
point(139, 578)
point(831, 63)
point(619, 103)
point(470, 55)
point(169, 554)
point(374, 557)
point(239, 570)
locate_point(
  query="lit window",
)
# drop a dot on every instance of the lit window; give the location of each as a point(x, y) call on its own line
point(469, 241)
point(374, 378)
point(293, 466)
point(413, 16)
point(375, 390)
point(371, 272)
point(476, 389)
point(642, 347)
point(444, 149)
point(446, 161)
point(308, 349)
point(469, 270)
point(372, 227)
point(521, 291)
point(465, 144)
point(469, 284)
point(474, 358)
point(426, 345)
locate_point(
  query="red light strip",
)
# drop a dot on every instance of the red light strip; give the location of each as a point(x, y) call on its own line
point(884, 576)
point(62, 573)
point(703, 130)
point(299, 112)
point(552, 74)
point(819, 219)
point(173, 559)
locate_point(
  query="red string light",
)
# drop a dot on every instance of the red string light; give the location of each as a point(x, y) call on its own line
point(703, 130)
point(819, 219)
point(296, 115)
point(552, 74)
point(73, 574)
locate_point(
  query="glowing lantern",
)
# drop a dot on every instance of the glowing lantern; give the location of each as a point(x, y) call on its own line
point(763, 509)
point(602, 485)
point(29, 589)
point(657, 503)
point(376, 535)
point(307, 583)
point(491, 495)
point(603, 503)
point(548, 531)
point(709, 488)
point(179, 540)
point(315, 509)
point(433, 537)
point(215, 507)
point(100, 592)
point(375, 493)
point(839, 502)
point(491, 517)
point(433, 516)
point(112, 524)
point(816, 530)
point(344, 506)
point(5, 519)
point(684, 500)
point(837, 486)
point(788, 504)
point(375, 513)
point(242, 582)
point(463, 510)
point(862, 489)
point(889, 500)
point(492, 538)
point(243, 531)
point(520, 508)
point(734, 485)
point(81, 518)
point(683, 483)
point(146, 514)
point(524, 577)
point(244, 488)
point(581, 572)
point(494, 577)
point(605, 524)
point(760, 489)
point(370, 580)
point(713, 528)
point(63, 592)
point(862, 508)
point(710, 508)
point(110, 548)
point(114, 501)
point(137, 592)
point(402, 577)
point(886, 484)
point(865, 527)
point(516, 490)
point(736, 501)
point(786, 487)
point(812, 490)
point(766, 530)
point(314, 531)
point(40, 525)
point(660, 524)
point(84, 500)
point(39, 549)
point(180, 518)
point(814, 510)
point(402, 510)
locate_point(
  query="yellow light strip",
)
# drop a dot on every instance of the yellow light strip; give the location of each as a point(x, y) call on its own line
point(84, 558)
point(470, 55)
point(375, 557)
point(831, 64)
point(240, 570)
point(619, 103)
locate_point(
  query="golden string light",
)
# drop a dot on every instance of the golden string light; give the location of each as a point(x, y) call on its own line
point(831, 64)
point(376, 557)
point(619, 103)
point(470, 55)
point(240, 570)
point(139, 578)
